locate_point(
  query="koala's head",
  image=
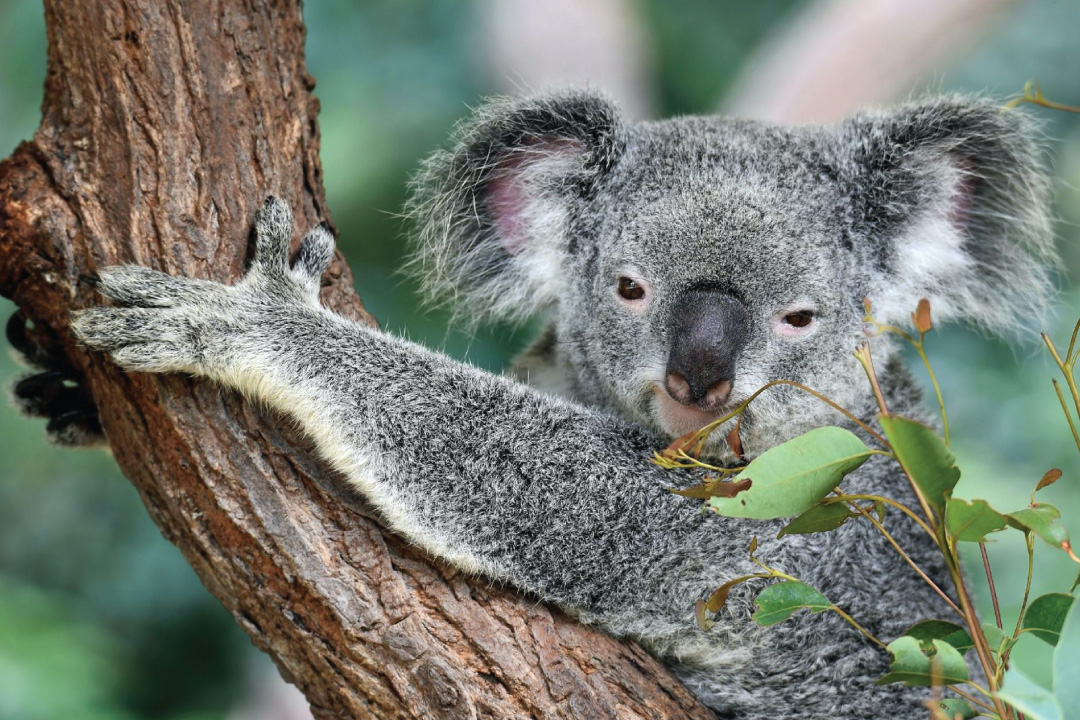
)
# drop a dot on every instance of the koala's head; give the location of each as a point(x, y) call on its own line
point(686, 263)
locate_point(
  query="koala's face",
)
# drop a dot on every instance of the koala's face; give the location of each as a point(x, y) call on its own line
point(689, 262)
point(712, 260)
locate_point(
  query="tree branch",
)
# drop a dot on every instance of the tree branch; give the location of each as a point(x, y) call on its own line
point(164, 125)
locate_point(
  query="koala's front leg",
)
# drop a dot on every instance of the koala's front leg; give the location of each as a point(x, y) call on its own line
point(477, 469)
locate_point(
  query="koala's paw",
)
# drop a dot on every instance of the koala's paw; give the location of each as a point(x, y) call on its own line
point(163, 323)
point(57, 393)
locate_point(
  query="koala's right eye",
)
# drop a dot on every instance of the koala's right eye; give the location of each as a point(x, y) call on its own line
point(630, 289)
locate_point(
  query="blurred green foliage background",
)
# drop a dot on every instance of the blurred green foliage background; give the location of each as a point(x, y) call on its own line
point(101, 618)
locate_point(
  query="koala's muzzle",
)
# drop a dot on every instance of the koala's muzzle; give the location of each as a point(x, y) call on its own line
point(708, 331)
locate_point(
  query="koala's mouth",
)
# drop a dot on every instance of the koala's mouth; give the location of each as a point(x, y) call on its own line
point(677, 419)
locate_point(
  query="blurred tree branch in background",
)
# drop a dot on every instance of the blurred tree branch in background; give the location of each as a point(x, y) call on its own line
point(163, 127)
point(836, 56)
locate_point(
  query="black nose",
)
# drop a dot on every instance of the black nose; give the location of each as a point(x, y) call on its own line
point(708, 329)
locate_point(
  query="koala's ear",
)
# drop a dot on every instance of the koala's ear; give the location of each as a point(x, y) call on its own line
point(950, 201)
point(492, 214)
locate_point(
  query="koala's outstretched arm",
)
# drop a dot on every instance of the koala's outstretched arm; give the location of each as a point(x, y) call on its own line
point(491, 475)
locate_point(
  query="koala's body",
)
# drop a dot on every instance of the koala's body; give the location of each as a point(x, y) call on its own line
point(682, 265)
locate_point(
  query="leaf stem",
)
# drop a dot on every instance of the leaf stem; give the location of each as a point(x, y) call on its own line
point(870, 636)
point(919, 348)
point(823, 398)
point(972, 619)
point(1043, 102)
point(971, 698)
point(1069, 358)
point(1029, 541)
point(907, 558)
point(888, 501)
point(862, 354)
point(990, 581)
point(937, 390)
point(1068, 415)
point(684, 460)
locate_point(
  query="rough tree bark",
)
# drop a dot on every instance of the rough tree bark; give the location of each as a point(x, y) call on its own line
point(164, 125)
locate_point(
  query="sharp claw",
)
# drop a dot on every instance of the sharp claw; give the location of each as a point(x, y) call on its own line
point(16, 331)
point(34, 384)
point(76, 428)
point(32, 352)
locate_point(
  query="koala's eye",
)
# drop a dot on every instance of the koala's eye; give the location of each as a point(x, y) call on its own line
point(799, 319)
point(630, 289)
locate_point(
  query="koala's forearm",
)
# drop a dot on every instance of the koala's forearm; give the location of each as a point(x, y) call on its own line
point(491, 475)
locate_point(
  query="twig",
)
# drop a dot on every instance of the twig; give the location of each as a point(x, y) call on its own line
point(840, 496)
point(907, 558)
point(971, 698)
point(990, 580)
point(862, 354)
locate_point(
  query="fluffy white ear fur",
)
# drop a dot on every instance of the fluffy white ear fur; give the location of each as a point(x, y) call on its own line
point(931, 260)
point(978, 241)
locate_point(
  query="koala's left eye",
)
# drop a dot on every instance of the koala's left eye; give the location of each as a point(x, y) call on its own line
point(799, 319)
point(630, 289)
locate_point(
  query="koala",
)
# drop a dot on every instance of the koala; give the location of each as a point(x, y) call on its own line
point(680, 265)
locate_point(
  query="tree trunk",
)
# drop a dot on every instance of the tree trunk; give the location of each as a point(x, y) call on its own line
point(165, 124)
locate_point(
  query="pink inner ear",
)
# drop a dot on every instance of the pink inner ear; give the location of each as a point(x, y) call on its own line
point(507, 192)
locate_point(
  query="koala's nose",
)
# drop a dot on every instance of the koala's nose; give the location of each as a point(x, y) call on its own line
point(708, 329)
point(679, 388)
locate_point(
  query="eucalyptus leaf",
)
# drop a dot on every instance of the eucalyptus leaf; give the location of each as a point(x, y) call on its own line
point(929, 630)
point(777, 602)
point(819, 518)
point(789, 478)
point(1051, 477)
point(953, 708)
point(1067, 662)
point(994, 635)
point(703, 621)
point(910, 665)
point(1041, 519)
point(972, 521)
point(925, 457)
point(717, 600)
point(1030, 698)
point(1045, 616)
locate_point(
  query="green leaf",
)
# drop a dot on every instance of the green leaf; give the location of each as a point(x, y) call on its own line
point(912, 666)
point(1067, 662)
point(971, 522)
point(1035, 701)
point(777, 602)
point(953, 708)
point(925, 457)
point(927, 631)
point(1041, 519)
point(994, 635)
point(819, 518)
point(789, 478)
point(1045, 616)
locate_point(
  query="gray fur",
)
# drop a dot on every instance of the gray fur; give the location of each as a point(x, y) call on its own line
point(556, 496)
